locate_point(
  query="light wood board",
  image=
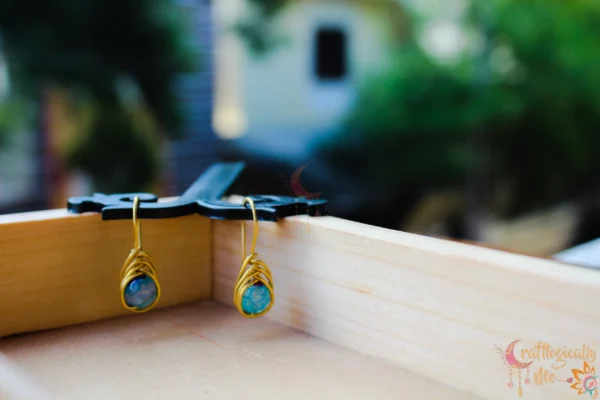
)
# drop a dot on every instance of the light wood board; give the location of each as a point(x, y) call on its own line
point(58, 269)
point(206, 351)
point(434, 307)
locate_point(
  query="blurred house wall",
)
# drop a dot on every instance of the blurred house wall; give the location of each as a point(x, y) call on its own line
point(282, 90)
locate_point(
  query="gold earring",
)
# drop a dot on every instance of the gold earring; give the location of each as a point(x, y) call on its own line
point(253, 293)
point(140, 290)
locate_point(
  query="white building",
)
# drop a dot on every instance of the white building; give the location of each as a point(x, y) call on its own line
point(302, 89)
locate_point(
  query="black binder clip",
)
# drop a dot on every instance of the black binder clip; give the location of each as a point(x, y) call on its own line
point(202, 197)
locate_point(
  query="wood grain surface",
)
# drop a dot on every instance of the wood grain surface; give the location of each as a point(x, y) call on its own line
point(60, 269)
point(434, 307)
point(205, 351)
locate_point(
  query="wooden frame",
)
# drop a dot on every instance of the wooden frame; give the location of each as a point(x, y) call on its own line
point(59, 269)
point(432, 307)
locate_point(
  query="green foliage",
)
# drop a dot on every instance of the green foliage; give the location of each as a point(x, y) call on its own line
point(410, 124)
point(551, 148)
point(538, 110)
point(116, 128)
point(89, 47)
point(12, 115)
point(257, 28)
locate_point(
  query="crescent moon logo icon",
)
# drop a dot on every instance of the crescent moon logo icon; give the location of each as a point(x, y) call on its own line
point(298, 189)
point(509, 354)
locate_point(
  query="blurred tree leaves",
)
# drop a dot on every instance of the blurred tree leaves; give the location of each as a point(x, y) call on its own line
point(90, 47)
point(537, 106)
point(539, 109)
point(256, 29)
point(13, 112)
point(113, 128)
point(549, 150)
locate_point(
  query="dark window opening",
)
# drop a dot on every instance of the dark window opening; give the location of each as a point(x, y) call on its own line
point(330, 58)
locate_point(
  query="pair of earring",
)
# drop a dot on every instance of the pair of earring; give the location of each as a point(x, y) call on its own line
point(253, 291)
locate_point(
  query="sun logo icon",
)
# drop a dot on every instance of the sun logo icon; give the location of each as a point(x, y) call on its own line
point(585, 380)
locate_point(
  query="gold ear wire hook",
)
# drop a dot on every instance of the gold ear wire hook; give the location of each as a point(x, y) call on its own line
point(248, 200)
point(253, 291)
point(140, 290)
point(137, 228)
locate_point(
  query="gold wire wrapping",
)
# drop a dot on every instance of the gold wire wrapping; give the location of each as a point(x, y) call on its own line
point(253, 270)
point(137, 264)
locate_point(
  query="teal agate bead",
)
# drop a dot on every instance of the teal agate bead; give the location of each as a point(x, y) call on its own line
point(256, 299)
point(141, 292)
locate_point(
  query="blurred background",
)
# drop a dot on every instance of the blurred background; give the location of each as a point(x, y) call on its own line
point(468, 120)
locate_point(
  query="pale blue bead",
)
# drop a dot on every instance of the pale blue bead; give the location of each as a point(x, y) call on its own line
point(256, 299)
point(141, 292)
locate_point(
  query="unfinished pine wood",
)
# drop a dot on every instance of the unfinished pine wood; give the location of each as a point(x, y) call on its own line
point(206, 351)
point(59, 269)
point(431, 306)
